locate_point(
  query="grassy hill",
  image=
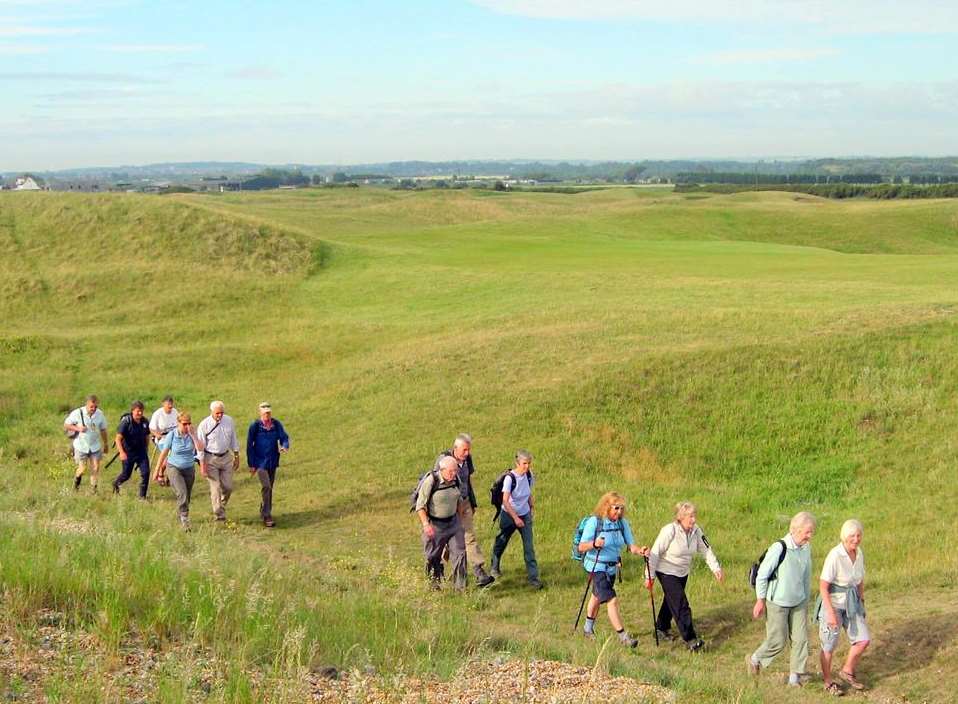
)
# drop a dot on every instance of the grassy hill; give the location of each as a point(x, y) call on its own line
point(758, 354)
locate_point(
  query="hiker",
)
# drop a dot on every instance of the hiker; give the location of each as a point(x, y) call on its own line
point(132, 440)
point(516, 515)
point(87, 426)
point(782, 588)
point(216, 439)
point(842, 606)
point(177, 457)
point(669, 560)
point(437, 505)
point(162, 421)
point(603, 538)
point(265, 440)
point(461, 451)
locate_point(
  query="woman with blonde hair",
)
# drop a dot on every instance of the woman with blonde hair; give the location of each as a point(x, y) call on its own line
point(669, 560)
point(604, 536)
point(842, 607)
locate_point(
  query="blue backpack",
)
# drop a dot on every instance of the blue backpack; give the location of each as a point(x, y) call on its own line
point(580, 529)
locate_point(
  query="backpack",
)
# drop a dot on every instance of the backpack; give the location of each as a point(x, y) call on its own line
point(436, 479)
point(580, 529)
point(72, 434)
point(495, 491)
point(753, 570)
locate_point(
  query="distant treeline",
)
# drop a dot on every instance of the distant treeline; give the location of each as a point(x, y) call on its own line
point(745, 178)
point(884, 191)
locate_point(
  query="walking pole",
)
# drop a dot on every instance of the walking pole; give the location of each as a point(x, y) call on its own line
point(112, 460)
point(588, 583)
point(648, 573)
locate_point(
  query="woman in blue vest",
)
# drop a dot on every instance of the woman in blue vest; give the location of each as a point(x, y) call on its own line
point(603, 539)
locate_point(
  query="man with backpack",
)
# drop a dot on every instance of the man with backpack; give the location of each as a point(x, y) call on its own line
point(216, 436)
point(461, 451)
point(782, 589)
point(265, 440)
point(132, 440)
point(86, 426)
point(515, 496)
point(437, 505)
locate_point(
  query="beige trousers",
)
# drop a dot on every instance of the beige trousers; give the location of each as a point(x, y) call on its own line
point(474, 556)
point(219, 474)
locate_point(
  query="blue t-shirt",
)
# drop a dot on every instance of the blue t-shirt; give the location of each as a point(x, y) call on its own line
point(617, 534)
point(520, 493)
point(181, 447)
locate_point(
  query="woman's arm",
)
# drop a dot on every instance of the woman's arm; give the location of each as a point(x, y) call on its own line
point(830, 618)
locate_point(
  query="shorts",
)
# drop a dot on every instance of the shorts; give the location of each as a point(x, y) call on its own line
point(80, 456)
point(603, 586)
point(856, 628)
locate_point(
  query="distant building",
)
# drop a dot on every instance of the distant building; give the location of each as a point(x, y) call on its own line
point(26, 183)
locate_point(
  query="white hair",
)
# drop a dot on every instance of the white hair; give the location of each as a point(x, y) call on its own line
point(523, 455)
point(800, 520)
point(448, 462)
point(462, 439)
point(215, 405)
point(850, 527)
point(684, 508)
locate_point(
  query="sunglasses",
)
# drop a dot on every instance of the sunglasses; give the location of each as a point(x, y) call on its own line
point(618, 507)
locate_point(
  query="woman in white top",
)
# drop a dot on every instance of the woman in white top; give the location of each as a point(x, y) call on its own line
point(842, 594)
point(669, 559)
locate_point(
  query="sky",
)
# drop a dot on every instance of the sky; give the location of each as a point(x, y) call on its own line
point(111, 82)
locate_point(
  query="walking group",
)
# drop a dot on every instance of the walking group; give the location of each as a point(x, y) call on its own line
point(213, 445)
point(445, 503)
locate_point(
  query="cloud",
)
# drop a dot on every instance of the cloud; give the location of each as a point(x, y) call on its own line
point(764, 56)
point(153, 48)
point(254, 73)
point(41, 31)
point(22, 50)
point(845, 17)
point(72, 77)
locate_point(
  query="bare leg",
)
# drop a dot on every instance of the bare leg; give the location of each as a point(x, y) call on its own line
point(825, 658)
point(614, 618)
point(592, 610)
point(854, 655)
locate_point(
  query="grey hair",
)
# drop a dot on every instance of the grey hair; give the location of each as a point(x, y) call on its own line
point(523, 455)
point(92, 397)
point(217, 404)
point(850, 527)
point(800, 520)
point(684, 508)
point(448, 462)
point(462, 439)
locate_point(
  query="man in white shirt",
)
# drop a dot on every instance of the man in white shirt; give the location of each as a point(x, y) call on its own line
point(87, 426)
point(216, 436)
point(162, 422)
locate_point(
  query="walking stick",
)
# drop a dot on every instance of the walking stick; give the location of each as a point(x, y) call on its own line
point(112, 460)
point(588, 583)
point(648, 572)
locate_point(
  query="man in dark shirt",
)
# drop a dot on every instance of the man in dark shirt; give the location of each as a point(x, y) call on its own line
point(132, 436)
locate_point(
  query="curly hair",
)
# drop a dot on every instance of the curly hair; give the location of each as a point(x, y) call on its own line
point(608, 499)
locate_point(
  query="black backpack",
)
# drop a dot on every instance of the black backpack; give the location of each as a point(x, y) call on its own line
point(495, 491)
point(753, 570)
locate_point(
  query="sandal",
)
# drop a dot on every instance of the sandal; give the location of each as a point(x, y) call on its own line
point(851, 680)
point(833, 689)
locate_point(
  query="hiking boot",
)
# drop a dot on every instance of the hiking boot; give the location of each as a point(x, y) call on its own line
point(185, 524)
point(116, 489)
point(752, 667)
point(219, 519)
point(664, 635)
point(495, 573)
point(269, 522)
point(588, 635)
point(536, 584)
point(76, 482)
point(627, 640)
point(695, 645)
point(485, 580)
point(852, 682)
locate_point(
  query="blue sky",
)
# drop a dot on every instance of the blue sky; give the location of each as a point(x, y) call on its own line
point(101, 82)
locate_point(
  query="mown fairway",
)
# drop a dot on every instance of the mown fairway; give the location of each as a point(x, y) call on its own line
point(757, 354)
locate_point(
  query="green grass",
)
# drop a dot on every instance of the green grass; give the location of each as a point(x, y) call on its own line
point(756, 353)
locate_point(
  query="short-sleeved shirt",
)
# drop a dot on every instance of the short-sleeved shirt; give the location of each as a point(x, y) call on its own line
point(617, 534)
point(135, 434)
point(181, 447)
point(89, 440)
point(218, 436)
point(520, 493)
point(162, 422)
point(840, 571)
point(445, 497)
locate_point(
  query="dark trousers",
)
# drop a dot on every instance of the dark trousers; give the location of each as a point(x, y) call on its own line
point(267, 478)
point(449, 532)
point(675, 606)
point(507, 527)
point(143, 463)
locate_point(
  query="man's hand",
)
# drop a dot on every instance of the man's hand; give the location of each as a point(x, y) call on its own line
point(759, 608)
point(203, 469)
point(235, 462)
point(429, 530)
point(123, 456)
point(252, 470)
point(720, 576)
point(284, 450)
point(519, 522)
